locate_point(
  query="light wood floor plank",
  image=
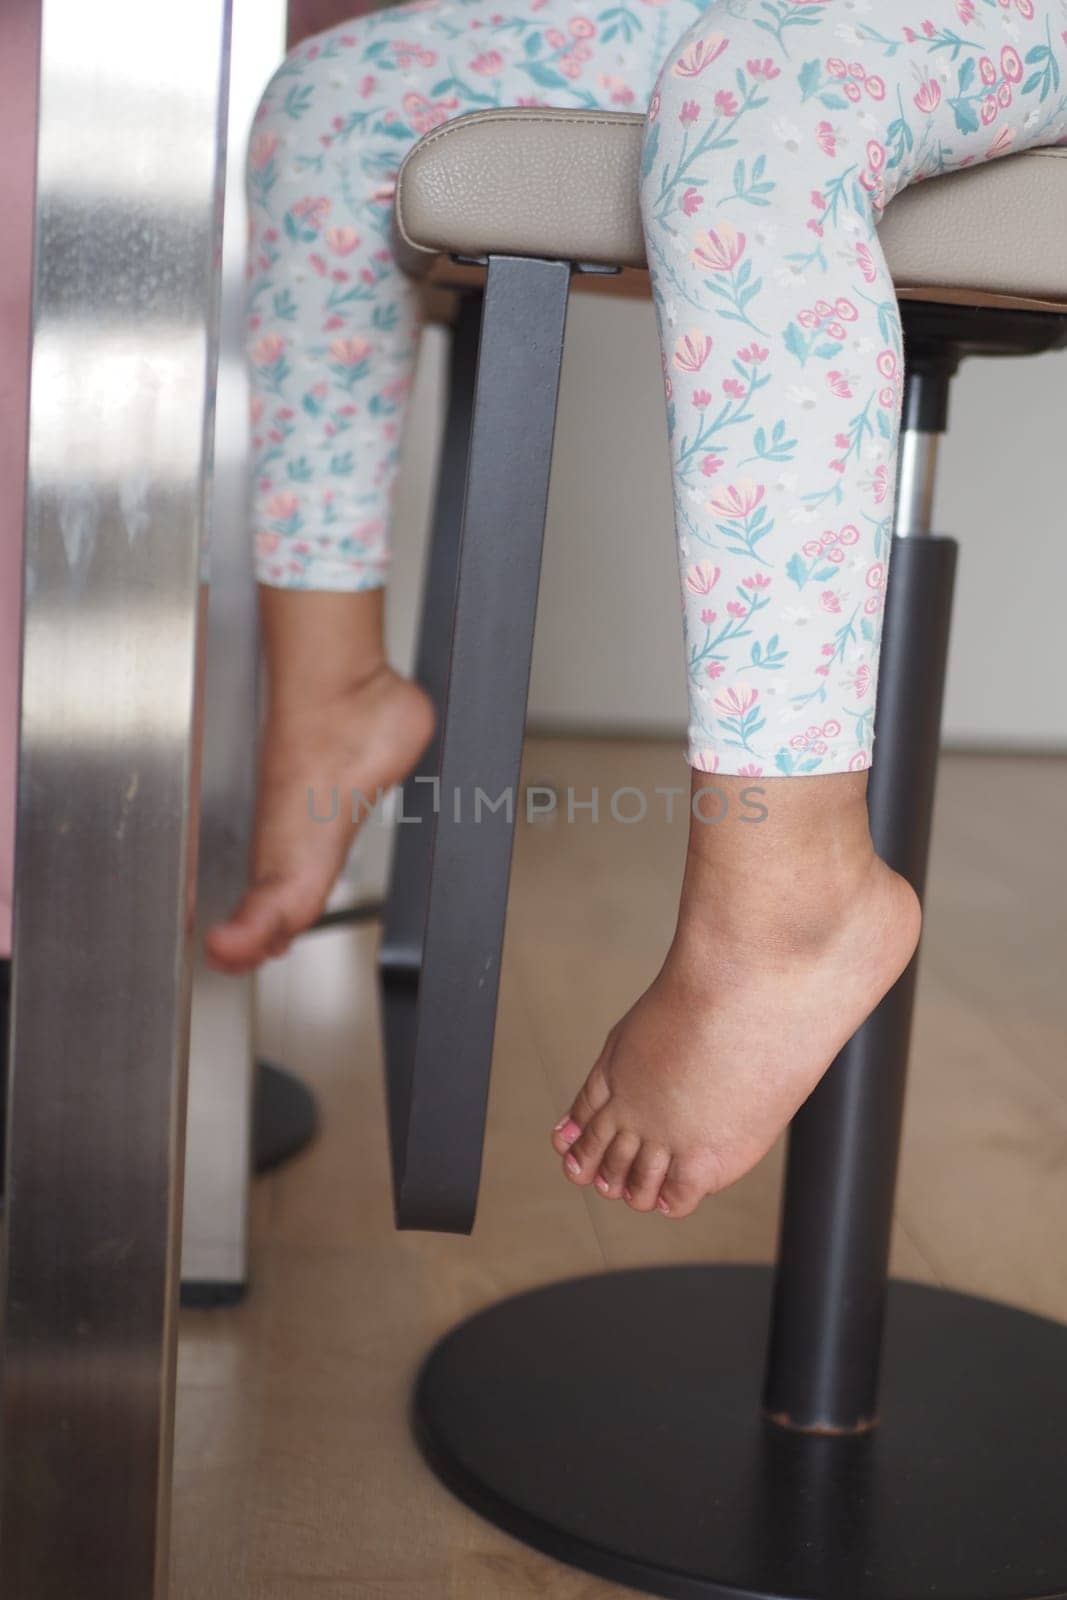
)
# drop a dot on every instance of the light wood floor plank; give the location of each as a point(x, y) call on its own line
point(296, 1478)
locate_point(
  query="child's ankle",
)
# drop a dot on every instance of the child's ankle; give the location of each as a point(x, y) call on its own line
point(787, 878)
point(293, 705)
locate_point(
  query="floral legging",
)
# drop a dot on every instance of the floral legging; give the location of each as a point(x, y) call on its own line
point(776, 132)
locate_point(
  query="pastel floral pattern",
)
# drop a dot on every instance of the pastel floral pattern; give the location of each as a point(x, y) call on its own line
point(777, 132)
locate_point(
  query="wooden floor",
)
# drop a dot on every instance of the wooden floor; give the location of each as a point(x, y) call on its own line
point(296, 1478)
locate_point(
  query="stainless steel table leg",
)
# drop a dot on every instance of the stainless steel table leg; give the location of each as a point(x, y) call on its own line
point(217, 1165)
point(128, 208)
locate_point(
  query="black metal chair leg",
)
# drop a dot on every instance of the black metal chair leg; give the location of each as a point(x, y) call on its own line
point(405, 911)
point(435, 623)
point(837, 1208)
point(400, 954)
point(440, 958)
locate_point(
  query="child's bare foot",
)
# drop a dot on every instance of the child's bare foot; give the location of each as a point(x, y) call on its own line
point(315, 757)
point(789, 933)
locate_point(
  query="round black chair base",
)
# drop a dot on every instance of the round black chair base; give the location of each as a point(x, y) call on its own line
point(285, 1117)
point(614, 1423)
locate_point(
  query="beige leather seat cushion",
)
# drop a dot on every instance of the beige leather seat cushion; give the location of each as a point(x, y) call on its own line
point(564, 184)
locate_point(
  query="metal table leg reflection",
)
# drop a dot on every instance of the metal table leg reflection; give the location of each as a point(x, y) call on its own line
point(129, 193)
point(625, 1423)
point(223, 1089)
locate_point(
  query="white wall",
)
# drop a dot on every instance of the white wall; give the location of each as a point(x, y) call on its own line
point(608, 654)
point(1002, 494)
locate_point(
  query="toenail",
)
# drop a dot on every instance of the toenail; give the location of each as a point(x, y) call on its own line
point(569, 1129)
point(573, 1166)
point(627, 1194)
point(663, 1206)
point(603, 1185)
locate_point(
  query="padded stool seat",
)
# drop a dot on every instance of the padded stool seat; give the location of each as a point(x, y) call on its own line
point(564, 185)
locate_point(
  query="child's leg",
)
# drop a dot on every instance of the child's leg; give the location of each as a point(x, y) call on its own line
point(340, 724)
point(333, 331)
point(775, 137)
